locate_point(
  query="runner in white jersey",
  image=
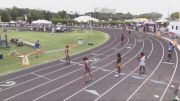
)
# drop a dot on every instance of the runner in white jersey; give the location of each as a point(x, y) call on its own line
point(142, 59)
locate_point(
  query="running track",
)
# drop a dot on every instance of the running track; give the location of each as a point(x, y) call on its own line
point(56, 81)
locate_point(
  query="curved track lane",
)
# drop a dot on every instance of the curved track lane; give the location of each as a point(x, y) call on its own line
point(57, 81)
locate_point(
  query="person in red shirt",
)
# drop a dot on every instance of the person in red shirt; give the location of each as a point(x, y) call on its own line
point(87, 67)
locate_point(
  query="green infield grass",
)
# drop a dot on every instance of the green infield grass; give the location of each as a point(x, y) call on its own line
point(51, 45)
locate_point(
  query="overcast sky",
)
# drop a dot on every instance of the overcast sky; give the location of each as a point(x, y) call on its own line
point(82, 6)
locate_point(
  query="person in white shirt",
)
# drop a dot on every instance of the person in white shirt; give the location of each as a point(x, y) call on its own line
point(142, 59)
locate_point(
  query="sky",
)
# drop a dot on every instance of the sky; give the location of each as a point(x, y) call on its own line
point(83, 6)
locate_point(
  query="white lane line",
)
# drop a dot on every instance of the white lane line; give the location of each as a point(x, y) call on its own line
point(128, 47)
point(126, 76)
point(53, 66)
point(149, 75)
point(168, 63)
point(116, 49)
point(103, 76)
point(106, 70)
point(158, 82)
point(62, 76)
point(95, 54)
point(138, 77)
point(41, 76)
point(76, 63)
point(80, 77)
point(171, 78)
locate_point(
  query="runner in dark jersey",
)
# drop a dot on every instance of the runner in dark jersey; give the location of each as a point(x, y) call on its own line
point(122, 38)
point(118, 65)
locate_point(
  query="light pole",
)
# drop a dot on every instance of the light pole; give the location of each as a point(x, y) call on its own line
point(90, 39)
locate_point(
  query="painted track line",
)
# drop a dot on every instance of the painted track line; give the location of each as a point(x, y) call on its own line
point(41, 76)
point(128, 99)
point(79, 77)
point(56, 70)
point(56, 78)
point(170, 79)
point(125, 76)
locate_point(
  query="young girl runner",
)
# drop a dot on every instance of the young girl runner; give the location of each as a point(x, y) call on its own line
point(142, 59)
point(87, 67)
point(118, 65)
point(67, 55)
point(122, 38)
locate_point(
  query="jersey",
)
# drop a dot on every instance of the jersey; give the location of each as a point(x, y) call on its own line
point(142, 61)
point(67, 51)
point(87, 65)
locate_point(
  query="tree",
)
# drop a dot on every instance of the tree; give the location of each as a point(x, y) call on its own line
point(5, 16)
point(175, 15)
point(152, 15)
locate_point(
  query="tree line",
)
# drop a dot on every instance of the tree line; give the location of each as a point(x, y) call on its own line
point(15, 14)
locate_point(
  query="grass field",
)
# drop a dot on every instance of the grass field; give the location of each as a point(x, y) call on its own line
point(49, 42)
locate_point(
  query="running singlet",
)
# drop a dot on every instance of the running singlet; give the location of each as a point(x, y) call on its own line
point(67, 52)
point(87, 65)
point(170, 47)
point(142, 61)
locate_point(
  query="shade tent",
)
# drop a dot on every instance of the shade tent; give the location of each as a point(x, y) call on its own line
point(41, 22)
point(12, 22)
point(150, 22)
point(162, 20)
point(85, 19)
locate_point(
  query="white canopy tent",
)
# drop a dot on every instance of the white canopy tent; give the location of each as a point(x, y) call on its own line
point(150, 22)
point(85, 19)
point(12, 22)
point(162, 20)
point(41, 22)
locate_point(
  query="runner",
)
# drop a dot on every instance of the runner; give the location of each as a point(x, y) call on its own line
point(129, 32)
point(87, 67)
point(118, 65)
point(142, 59)
point(122, 38)
point(37, 47)
point(68, 60)
point(170, 51)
